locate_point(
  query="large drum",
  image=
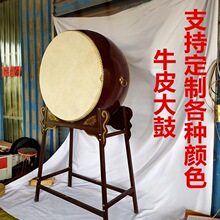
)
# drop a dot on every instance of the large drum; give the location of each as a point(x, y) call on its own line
point(80, 71)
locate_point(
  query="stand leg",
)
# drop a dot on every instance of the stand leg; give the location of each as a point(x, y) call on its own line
point(103, 180)
point(70, 158)
point(130, 166)
point(40, 165)
point(132, 177)
point(102, 120)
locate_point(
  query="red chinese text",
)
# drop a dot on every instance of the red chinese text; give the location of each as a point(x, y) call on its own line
point(164, 126)
point(195, 92)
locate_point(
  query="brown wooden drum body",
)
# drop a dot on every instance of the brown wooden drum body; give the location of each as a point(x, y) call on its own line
point(80, 71)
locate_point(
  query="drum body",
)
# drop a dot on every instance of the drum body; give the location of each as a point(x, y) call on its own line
point(80, 71)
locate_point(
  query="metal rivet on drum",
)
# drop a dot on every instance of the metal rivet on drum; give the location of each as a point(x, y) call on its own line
point(123, 81)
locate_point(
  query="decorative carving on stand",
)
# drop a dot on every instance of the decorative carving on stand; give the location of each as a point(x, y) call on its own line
point(105, 117)
point(90, 121)
point(45, 114)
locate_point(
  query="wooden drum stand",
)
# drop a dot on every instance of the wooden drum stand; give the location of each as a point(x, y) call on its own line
point(94, 124)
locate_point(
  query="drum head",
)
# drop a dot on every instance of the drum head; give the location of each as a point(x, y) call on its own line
point(71, 76)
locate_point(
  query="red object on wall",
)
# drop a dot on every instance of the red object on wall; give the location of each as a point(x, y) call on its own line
point(11, 71)
point(3, 163)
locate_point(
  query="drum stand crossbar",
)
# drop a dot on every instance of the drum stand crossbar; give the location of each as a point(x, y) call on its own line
point(94, 124)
